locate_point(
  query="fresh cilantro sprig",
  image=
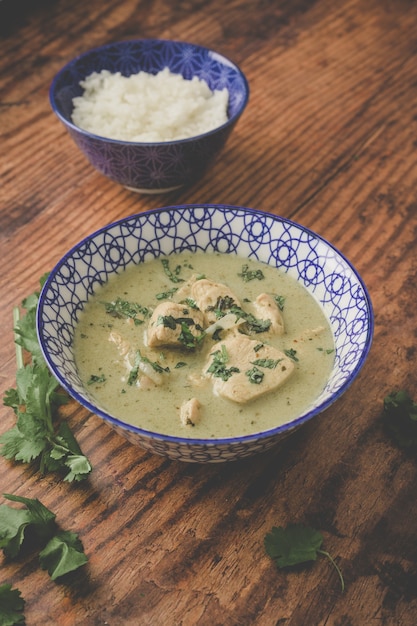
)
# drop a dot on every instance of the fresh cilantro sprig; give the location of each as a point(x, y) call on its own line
point(297, 544)
point(11, 606)
point(61, 551)
point(400, 417)
point(35, 402)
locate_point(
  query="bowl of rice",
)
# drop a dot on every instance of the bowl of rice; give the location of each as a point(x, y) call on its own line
point(150, 114)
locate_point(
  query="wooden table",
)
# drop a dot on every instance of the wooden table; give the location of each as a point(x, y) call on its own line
point(329, 139)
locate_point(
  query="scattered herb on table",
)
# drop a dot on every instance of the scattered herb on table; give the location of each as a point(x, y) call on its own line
point(296, 544)
point(11, 606)
point(35, 402)
point(400, 417)
point(61, 551)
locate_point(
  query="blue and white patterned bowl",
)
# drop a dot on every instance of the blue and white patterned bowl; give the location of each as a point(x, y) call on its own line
point(151, 167)
point(326, 274)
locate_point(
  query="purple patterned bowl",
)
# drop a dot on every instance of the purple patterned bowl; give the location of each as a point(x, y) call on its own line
point(324, 272)
point(151, 167)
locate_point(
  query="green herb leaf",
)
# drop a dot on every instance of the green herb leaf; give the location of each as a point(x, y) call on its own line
point(218, 365)
point(255, 375)
point(172, 275)
point(127, 310)
point(296, 544)
point(254, 324)
point(248, 274)
point(291, 354)
point(268, 363)
point(64, 553)
point(35, 402)
point(11, 606)
point(61, 551)
point(96, 379)
point(279, 301)
point(165, 295)
point(14, 523)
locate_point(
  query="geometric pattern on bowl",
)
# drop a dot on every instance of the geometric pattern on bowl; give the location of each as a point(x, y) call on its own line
point(292, 248)
point(151, 167)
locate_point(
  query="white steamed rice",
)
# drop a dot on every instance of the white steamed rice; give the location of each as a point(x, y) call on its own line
point(148, 108)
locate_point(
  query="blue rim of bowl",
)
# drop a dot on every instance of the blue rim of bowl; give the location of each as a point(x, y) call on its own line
point(86, 133)
point(188, 441)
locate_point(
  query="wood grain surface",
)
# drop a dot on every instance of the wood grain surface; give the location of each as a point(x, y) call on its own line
point(328, 139)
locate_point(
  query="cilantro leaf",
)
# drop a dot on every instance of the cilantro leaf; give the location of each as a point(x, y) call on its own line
point(129, 310)
point(400, 417)
point(15, 522)
point(61, 551)
point(248, 274)
point(63, 554)
point(11, 606)
point(218, 365)
point(254, 324)
point(172, 275)
point(296, 544)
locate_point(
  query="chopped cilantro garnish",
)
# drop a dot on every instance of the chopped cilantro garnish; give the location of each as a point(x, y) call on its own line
point(129, 310)
point(96, 379)
point(186, 337)
point(165, 295)
point(255, 375)
point(139, 358)
point(167, 321)
point(223, 304)
point(172, 275)
point(254, 324)
point(192, 304)
point(280, 301)
point(291, 354)
point(218, 365)
point(248, 274)
point(268, 363)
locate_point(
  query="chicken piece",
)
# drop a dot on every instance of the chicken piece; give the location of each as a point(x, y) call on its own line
point(267, 309)
point(209, 296)
point(190, 412)
point(120, 342)
point(174, 325)
point(242, 369)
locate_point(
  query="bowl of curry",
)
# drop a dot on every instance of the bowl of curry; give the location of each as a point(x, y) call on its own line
point(205, 333)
